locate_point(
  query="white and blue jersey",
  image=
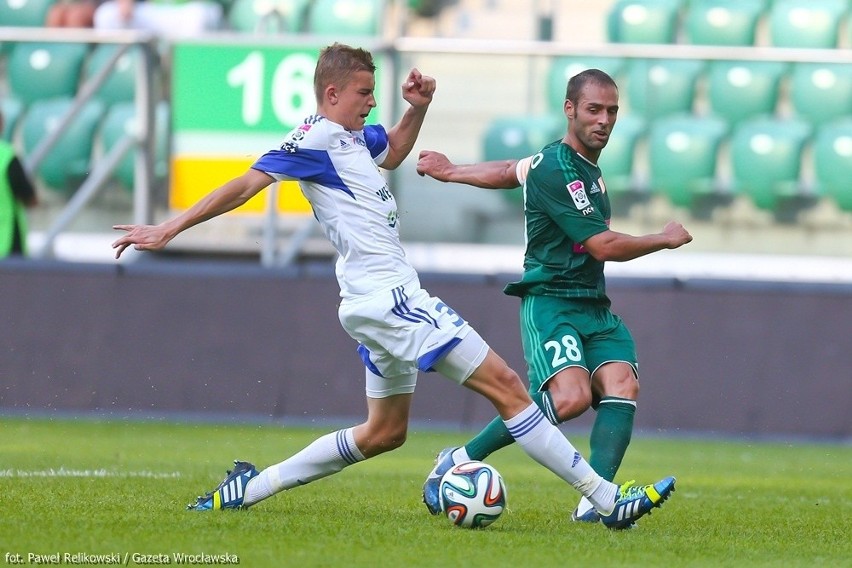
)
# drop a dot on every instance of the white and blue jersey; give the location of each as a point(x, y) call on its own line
point(338, 172)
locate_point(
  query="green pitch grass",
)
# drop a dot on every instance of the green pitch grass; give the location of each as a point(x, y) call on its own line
point(85, 487)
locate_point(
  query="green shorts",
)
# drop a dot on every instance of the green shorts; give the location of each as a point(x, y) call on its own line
point(558, 333)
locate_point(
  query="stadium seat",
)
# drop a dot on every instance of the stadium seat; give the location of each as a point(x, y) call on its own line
point(618, 158)
point(24, 13)
point(722, 22)
point(45, 70)
point(121, 83)
point(345, 17)
point(683, 152)
point(832, 153)
point(513, 137)
point(821, 92)
point(806, 23)
point(658, 87)
point(119, 122)
point(11, 110)
point(268, 15)
point(564, 67)
point(643, 21)
point(67, 164)
point(737, 90)
point(766, 155)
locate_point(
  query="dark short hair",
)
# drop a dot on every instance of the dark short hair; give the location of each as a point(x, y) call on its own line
point(583, 78)
point(337, 63)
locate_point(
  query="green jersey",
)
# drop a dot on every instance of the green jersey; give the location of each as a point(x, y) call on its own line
point(565, 203)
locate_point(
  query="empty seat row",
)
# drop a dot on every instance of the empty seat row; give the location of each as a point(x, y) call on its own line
point(790, 23)
point(731, 89)
point(325, 17)
point(689, 157)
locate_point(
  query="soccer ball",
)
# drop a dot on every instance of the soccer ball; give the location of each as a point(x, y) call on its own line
point(472, 494)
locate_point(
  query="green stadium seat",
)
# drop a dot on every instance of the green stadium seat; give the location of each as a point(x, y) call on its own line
point(806, 23)
point(658, 87)
point(121, 83)
point(562, 68)
point(11, 110)
point(643, 21)
point(120, 121)
point(737, 90)
point(766, 156)
point(832, 153)
point(511, 137)
point(45, 70)
point(24, 13)
point(287, 16)
point(617, 160)
point(821, 92)
point(722, 22)
point(67, 164)
point(345, 17)
point(683, 152)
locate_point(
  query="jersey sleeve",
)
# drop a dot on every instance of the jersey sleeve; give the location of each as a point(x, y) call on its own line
point(522, 169)
point(376, 138)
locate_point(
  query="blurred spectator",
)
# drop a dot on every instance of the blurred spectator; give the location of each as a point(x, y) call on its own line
point(72, 14)
point(169, 18)
point(16, 193)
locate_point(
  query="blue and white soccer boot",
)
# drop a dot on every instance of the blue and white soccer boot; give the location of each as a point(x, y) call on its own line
point(431, 488)
point(634, 502)
point(230, 493)
point(587, 514)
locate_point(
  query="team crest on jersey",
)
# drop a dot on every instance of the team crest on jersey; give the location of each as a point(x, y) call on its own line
point(577, 191)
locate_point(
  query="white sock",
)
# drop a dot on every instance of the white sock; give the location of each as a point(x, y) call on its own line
point(545, 444)
point(323, 457)
point(460, 455)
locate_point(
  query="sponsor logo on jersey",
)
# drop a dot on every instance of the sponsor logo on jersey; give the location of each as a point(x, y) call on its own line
point(595, 188)
point(577, 191)
point(343, 144)
point(359, 141)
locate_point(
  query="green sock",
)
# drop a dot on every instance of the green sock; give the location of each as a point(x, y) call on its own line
point(611, 435)
point(495, 435)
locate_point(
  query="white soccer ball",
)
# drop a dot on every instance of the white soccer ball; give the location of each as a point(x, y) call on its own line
point(472, 494)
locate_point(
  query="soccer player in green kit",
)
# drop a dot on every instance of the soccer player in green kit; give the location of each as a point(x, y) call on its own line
point(578, 353)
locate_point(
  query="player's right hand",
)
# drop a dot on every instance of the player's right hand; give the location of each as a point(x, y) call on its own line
point(142, 237)
point(434, 165)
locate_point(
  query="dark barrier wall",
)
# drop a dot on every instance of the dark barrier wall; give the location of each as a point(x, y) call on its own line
point(161, 337)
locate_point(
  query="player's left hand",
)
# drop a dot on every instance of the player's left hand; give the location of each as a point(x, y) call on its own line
point(417, 89)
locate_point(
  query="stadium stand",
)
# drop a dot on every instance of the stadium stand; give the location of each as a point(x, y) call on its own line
point(121, 84)
point(659, 87)
point(271, 17)
point(683, 152)
point(821, 92)
point(766, 159)
point(806, 23)
point(737, 90)
point(45, 70)
point(120, 121)
point(722, 22)
point(24, 13)
point(643, 21)
point(619, 163)
point(345, 17)
point(832, 153)
point(63, 169)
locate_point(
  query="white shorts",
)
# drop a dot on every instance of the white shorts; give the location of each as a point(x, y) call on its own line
point(405, 330)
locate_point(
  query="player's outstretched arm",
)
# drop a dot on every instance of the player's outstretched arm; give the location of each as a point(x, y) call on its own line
point(221, 200)
point(417, 90)
point(619, 247)
point(497, 174)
